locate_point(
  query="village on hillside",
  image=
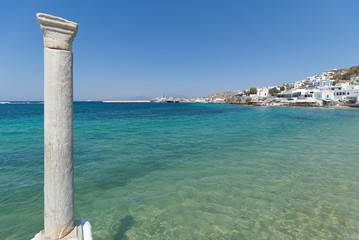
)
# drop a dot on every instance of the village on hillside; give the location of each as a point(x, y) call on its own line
point(336, 87)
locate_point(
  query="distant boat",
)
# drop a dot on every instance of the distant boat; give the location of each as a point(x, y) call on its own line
point(159, 100)
point(170, 100)
point(164, 99)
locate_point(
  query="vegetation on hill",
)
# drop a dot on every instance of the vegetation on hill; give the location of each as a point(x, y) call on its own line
point(253, 91)
point(347, 73)
point(274, 91)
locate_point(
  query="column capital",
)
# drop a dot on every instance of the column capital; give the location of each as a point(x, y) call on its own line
point(58, 32)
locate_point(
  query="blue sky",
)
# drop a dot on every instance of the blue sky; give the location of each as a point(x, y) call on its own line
point(135, 48)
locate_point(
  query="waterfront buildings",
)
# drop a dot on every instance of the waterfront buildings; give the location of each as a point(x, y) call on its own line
point(318, 90)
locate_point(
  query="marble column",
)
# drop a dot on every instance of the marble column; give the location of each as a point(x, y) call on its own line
point(58, 35)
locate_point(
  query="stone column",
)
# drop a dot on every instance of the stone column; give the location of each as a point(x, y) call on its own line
point(58, 126)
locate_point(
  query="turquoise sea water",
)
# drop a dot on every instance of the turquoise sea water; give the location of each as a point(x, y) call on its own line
point(188, 171)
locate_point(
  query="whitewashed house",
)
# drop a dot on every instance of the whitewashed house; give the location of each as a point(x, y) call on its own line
point(345, 91)
point(339, 92)
point(293, 93)
point(262, 92)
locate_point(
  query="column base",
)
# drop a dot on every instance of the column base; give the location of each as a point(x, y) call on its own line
point(75, 234)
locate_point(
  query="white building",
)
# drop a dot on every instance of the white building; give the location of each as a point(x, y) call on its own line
point(339, 92)
point(321, 80)
point(297, 84)
point(262, 92)
point(294, 93)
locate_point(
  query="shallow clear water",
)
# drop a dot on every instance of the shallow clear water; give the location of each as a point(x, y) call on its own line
point(187, 171)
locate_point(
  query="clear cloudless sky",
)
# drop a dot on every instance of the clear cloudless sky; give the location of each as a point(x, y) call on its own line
point(132, 48)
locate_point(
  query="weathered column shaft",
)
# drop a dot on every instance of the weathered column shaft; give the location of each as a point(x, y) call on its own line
point(58, 136)
point(58, 126)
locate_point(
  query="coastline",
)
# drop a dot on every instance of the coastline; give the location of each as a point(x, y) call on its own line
point(290, 106)
point(135, 101)
point(144, 101)
point(24, 102)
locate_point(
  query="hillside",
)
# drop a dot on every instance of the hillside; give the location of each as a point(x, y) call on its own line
point(346, 73)
point(340, 75)
point(223, 94)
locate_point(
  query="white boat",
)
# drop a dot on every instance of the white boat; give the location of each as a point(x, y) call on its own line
point(159, 100)
point(164, 99)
